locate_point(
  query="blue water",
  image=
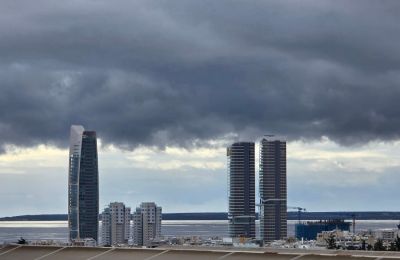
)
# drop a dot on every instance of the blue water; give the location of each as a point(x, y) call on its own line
point(11, 231)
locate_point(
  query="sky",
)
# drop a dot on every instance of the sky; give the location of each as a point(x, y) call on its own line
point(168, 84)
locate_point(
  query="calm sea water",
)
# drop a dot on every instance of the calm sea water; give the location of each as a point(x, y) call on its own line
point(11, 231)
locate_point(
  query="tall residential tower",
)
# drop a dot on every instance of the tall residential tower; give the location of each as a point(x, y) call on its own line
point(273, 191)
point(83, 185)
point(115, 224)
point(146, 224)
point(241, 190)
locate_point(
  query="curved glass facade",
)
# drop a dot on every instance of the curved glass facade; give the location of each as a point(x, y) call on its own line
point(83, 186)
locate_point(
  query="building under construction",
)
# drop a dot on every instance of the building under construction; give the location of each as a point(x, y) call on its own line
point(309, 230)
point(241, 190)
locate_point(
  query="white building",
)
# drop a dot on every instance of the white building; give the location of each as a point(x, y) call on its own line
point(387, 234)
point(146, 224)
point(116, 224)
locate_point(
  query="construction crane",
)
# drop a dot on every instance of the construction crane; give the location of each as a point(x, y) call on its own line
point(299, 210)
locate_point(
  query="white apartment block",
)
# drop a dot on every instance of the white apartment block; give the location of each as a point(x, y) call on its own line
point(387, 234)
point(146, 224)
point(116, 224)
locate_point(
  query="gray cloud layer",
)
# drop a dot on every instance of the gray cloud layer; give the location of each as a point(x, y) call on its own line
point(169, 72)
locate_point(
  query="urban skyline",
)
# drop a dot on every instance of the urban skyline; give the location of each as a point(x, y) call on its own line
point(83, 196)
point(169, 85)
point(109, 158)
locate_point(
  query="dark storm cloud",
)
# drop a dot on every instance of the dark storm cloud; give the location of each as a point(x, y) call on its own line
point(170, 72)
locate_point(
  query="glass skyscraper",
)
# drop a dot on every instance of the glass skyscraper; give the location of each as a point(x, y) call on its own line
point(83, 185)
point(273, 190)
point(241, 190)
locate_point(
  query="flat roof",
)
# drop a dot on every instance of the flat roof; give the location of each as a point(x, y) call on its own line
point(24, 252)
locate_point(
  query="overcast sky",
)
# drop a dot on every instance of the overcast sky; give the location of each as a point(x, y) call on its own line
point(169, 84)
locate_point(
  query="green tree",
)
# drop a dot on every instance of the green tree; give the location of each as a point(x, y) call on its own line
point(392, 246)
point(378, 246)
point(331, 241)
point(397, 243)
point(21, 241)
point(363, 245)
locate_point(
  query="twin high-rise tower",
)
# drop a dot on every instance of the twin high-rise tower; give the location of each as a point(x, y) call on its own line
point(273, 190)
point(272, 185)
point(83, 185)
point(241, 190)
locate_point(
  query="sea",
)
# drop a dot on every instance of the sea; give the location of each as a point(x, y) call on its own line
point(57, 231)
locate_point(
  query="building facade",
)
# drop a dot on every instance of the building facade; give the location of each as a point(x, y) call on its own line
point(310, 230)
point(83, 185)
point(115, 224)
point(146, 224)
point(387, 234)
point(137, 231)
point(241, 190)
point(273, 190)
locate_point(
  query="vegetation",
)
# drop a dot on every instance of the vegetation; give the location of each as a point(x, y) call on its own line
point(378, 246)
point(21, 241)
point(363, 245)
point(331, 242)
point(392, 246)
point(397, 243)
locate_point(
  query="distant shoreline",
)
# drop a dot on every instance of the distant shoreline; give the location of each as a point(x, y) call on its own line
point(366, 215)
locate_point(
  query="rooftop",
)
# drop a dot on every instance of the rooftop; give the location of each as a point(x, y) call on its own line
point(102, 253)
